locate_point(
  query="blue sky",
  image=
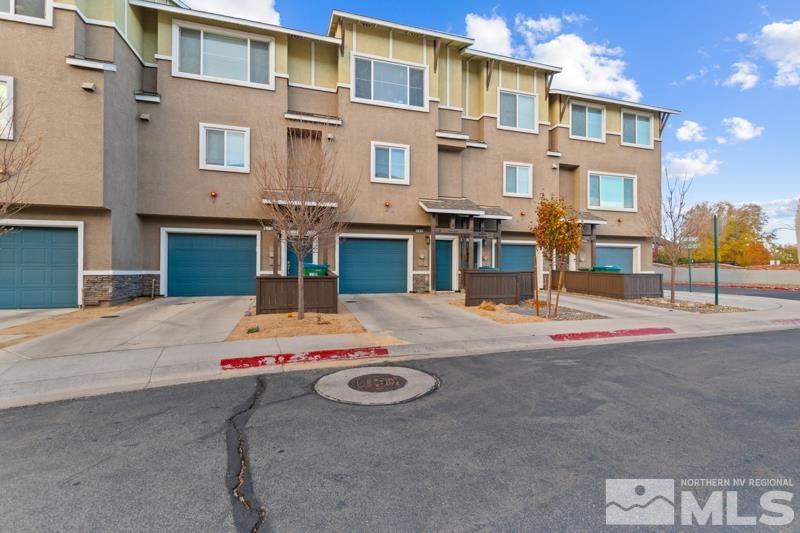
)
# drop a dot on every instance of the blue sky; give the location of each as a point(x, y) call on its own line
point(732, 68)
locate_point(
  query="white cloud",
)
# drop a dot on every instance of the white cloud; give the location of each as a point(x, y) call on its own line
point(690, 131)
point(745, 75)
point(534, 30)
point(721, 140)
point(742, 37)
point(491, 33)
point(691, 164)
point(260, 10)
point(588, 67)
point(741, 129)
point(781, 215)
point(779, 42)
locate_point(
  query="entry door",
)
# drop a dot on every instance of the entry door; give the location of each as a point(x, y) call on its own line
point(444, 265)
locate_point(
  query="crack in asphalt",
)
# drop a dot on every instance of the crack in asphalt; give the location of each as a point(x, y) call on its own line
point(248, 513)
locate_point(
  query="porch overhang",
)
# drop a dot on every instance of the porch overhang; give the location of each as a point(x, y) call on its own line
point(451, 206)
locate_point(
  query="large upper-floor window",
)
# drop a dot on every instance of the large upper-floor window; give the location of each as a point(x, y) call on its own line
point(223, 56)
point(636, 129)
point(518, 179)
point(389, 83)
point(6, 107)
point(587, 122)
point(612, 192)
point(225, 148)
point(390, 163)
point(33, 11)
point(517, 111)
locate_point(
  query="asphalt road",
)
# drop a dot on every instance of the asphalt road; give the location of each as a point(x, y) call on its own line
point(767, 293)
point(511, 442)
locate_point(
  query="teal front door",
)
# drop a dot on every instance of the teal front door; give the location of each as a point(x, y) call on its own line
point(39, 268)
point(292, 263)
point(444, 265)
point(211, 265)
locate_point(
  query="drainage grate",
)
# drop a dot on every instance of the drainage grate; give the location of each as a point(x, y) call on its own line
point(351, 301)
point(110, 316)
point(377, 383)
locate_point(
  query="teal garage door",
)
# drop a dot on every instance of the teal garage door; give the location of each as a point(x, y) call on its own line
point(211, 265)
point(373, 265)
point(614, 256)
point(39, 268)
point(518, 257)
point(444, 265)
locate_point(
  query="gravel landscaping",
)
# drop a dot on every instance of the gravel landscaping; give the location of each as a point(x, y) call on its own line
point(693, 307)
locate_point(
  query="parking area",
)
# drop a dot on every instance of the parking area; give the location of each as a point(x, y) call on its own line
point(162, 322)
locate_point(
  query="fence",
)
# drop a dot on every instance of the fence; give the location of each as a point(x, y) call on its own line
point(612, 284)
point(502, 287)
point(278, 294)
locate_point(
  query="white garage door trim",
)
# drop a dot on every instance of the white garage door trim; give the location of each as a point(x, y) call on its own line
point(165, 232)
point(409, 253)
point(76, 224)
point(637, 253)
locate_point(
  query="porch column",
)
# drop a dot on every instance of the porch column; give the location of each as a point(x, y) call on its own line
point(276, 253)
point(470, 245)
point(593, 245)
point(498, 260)
point(432, 252)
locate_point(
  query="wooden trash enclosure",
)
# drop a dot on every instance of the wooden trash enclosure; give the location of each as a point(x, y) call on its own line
point(278, 294)
point(613, 284)
point(498, 286)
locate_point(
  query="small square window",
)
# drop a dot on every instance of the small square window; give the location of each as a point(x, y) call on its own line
point(518, 180)
point(636, 129)
point(517, 111)
point(224, 148)
point(587, 122)
point(390, 163)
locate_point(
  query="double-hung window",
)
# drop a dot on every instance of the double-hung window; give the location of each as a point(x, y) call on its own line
point(517, 111)
point(612, 192)
point(227, 57)
point(518, 179)
point(390, 163)
point(6, 107)
point(637, 129)
point(225, 148)
point(587, 122)
point(389, 83)
point(33, 11)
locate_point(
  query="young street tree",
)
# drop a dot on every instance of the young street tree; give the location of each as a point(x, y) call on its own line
point(797, 229)
point(558, 234)
point(668, 224)
point(305, 194)
point(18, 151)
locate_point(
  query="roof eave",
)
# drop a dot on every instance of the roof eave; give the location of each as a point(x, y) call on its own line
point(516, 61)
point(616, 101)
point(336, 14)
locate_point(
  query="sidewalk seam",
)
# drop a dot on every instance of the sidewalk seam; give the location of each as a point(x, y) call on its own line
point(153, 369)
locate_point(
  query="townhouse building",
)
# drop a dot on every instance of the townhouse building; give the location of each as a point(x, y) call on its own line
point(149, 115)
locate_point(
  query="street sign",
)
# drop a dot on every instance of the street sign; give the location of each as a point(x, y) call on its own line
point(693, 243)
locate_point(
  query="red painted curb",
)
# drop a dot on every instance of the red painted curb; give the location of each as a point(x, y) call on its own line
point(790, 321)
point(254, 361)
point(584, 335)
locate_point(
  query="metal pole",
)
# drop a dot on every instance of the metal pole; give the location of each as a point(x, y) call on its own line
point(716, 263)
point(690, 268)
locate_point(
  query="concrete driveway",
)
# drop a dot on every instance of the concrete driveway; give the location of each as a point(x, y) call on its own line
point(162, 322)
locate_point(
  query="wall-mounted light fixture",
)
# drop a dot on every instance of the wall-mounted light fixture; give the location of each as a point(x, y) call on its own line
point(387, 204)
point(428, 240)
point(213, 195)
point(144, 117)
point(89, 87)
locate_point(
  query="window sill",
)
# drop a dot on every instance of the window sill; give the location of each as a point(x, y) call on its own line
point(642, 146)
point(518, 130)
point(389, 104)
point(613, 209)
point(223, 81)
point(390, 182)
point(589, 139)
point(245, 170)
point(47, 21)
point(516, 195)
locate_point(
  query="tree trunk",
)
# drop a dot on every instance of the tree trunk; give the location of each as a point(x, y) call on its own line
point(536, 290)
point(672, 284)
point(549, 285)
point(560, 285)
point(301, 301)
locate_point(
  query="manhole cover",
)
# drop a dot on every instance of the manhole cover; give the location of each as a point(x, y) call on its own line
point(376, 385)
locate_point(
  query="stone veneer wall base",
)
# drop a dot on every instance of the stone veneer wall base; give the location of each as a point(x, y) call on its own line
point(115, 289)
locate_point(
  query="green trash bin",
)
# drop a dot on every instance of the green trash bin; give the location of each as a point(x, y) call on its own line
point(311, 269)
point(608, 268)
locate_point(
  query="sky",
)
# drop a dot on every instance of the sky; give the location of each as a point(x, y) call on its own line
point(732, 68)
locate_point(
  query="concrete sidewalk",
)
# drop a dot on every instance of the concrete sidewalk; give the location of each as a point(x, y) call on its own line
point(29, 381)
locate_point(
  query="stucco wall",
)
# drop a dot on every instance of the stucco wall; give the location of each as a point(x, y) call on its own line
point(730, 276)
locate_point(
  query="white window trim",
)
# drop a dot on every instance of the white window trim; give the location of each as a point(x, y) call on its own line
point(7, 131)
point(374, 179)
point(454, 262)
point(615, 175)
point(166, 232)
point(634, 247)
point(535, 96)
point(529, 194)
point(637, 114)
point(425, 90)
point(178, 24)
point(46, 21)
point(409, 251)
point(602, 126)
point(223, 168)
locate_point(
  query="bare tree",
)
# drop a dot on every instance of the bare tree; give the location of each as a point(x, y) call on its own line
point(18, 152)
point(668, 222)
point(797, 229)
point(306, 199)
